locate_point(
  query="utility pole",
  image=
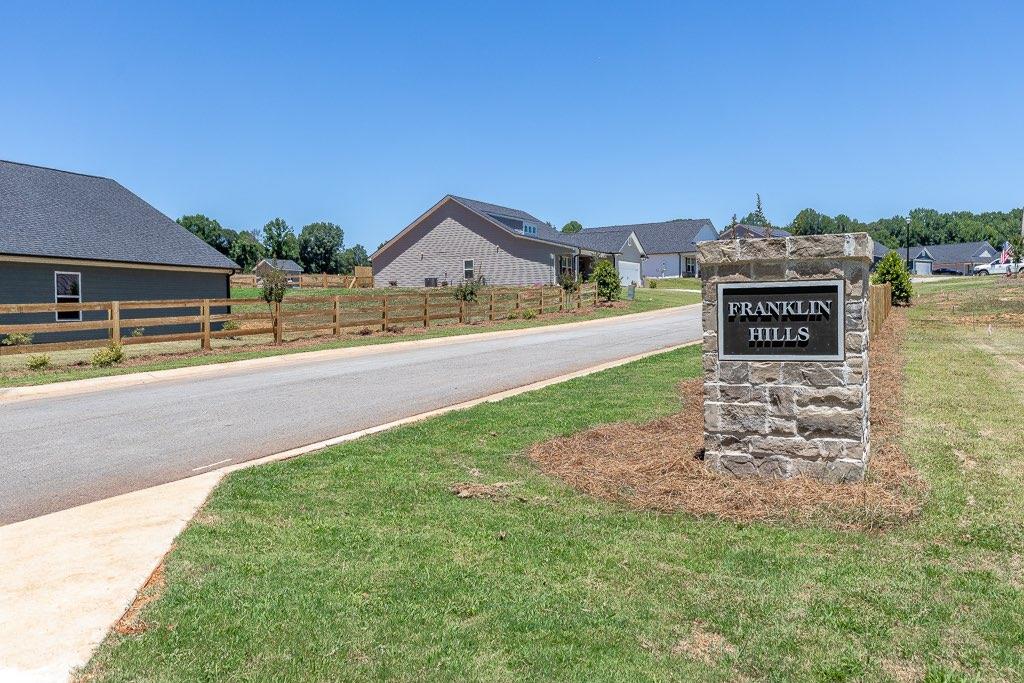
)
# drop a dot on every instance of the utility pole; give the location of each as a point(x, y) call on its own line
point(908, 243)
point(1022, 223)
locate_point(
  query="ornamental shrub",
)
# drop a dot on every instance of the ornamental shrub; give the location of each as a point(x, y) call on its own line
point(112, 354)
point(17, 339)
point(467, 291)
point(273, 288)
point(607, 280)
point(652, 284)
point(39, 362)
point(893, 269)
point(569, 282)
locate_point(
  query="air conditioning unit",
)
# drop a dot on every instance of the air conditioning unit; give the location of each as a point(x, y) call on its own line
point(430, 282)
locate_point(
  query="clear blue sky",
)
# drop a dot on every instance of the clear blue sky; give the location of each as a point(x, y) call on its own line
point(367, 114)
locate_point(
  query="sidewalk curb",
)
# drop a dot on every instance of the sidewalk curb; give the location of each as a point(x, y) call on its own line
point(11, 395)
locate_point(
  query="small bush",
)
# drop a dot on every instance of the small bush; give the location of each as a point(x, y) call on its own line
point(529, 314)
point(652, 284)
point(893, 269)
point(17, 339)
point(467, 291)
point(39, 362)
point(607, 280)
point(138, 331)
point(112, 354)
point(570, 283)
point(394, 329)
point(512, 315)
point(364, 332)
point(229, 325)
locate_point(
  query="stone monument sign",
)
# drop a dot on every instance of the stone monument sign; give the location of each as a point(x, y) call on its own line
point(786, 355)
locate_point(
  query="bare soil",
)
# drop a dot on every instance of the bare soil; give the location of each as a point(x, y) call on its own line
point(659, 465)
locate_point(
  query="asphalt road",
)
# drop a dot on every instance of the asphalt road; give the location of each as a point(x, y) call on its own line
point(61, 452)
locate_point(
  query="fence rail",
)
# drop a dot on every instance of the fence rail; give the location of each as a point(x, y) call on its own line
point(363, 278)
point(204, 318)
point(879, 307)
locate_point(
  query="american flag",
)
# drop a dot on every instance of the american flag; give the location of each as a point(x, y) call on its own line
point(1007, 253)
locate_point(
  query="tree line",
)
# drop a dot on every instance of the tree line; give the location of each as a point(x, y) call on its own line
point(318, 248)
point(927, 226)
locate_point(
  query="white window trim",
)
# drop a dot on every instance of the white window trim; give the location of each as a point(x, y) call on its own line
point(529, 229)
point(471, 268)
point(56, 314)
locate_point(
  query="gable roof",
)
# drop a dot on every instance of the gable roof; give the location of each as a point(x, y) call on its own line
point(602, 241)
point(285, 264)
point(665, 237)
point(47, 212)
point(963, 252)
point(747, 230)
point(880, 250)
point(512, 219)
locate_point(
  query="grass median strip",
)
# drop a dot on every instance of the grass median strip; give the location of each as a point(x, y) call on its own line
point(361, 563)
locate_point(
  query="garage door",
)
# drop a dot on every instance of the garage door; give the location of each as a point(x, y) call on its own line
point(629, 272)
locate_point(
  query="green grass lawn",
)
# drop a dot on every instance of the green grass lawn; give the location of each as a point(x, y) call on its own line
point(357, 563)
point(678, 282)
point(72, 365)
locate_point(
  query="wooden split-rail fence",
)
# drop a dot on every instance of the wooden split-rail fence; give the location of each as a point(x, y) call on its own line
point(203, 320)
point(879, 306)
point(362, 279)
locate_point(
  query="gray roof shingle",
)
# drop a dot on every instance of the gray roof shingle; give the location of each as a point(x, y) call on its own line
point(60, 214)
point(602, 241)
point(964, 252)
point(285, 264)
point(665, 237)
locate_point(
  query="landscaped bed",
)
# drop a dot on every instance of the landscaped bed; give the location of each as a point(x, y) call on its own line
point(367, 562)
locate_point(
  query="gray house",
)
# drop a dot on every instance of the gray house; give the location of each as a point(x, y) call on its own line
point(670, 247)
point(957, 258)
point(286, 266)
point(69, 237)
point(459, 239)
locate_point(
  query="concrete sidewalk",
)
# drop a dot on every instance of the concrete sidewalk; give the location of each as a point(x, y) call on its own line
point(67, 577)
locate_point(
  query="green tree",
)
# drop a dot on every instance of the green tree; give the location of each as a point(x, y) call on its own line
point(757, 217)
point(318, 244)
point(246, 250)
point(572, 226)
point(345, 261)
point(607, 280)
point(893, 269)
point(279, 240)
point(209, 230)
point(272, 290)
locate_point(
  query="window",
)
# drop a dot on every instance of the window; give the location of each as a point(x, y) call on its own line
point(467, 269)
point(67, 288)
point(529, 229)
point(565, 265)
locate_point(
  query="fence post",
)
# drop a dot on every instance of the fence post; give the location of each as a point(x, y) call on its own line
point(490, 307)
point(384, 314)
point(278, 324)
point(462, 312)
point(595, 295)
point(426, 310)
point(114, 315)
point(337, 315)
point(205, 312)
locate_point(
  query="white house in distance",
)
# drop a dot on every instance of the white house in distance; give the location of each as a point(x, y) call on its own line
point(670, 247)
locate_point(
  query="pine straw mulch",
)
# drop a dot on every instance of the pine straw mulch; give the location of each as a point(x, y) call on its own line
point(658, 466)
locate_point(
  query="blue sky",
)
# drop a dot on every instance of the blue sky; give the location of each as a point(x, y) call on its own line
point(366, 114)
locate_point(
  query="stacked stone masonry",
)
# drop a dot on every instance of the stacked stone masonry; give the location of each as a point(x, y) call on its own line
point(792, 417)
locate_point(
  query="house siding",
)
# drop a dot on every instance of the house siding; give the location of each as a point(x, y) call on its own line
point(25, 283)
point(452, 234)
point(674, 261)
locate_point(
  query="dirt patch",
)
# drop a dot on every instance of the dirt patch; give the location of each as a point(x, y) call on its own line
point(477, 490)
point(704, 646)
point(658, 465)
point(131, 623)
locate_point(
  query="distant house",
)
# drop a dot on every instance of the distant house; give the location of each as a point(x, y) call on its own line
point(459, 239)
point(670, 247)
point(957, 258)
point(880, 252)
point(70, 237)
point(746, 231)
point(286, 266)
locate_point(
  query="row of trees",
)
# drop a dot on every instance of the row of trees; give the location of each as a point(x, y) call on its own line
point(927, 226)
point(318, 248)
